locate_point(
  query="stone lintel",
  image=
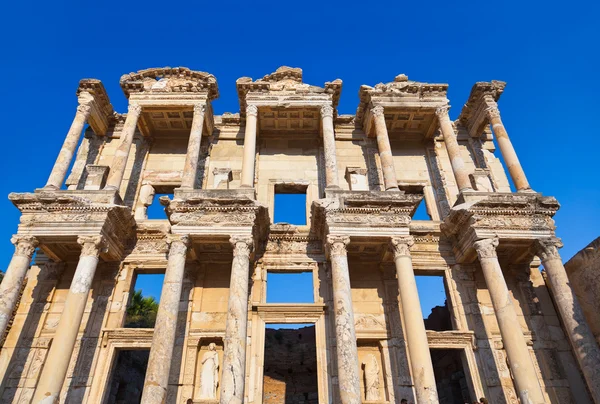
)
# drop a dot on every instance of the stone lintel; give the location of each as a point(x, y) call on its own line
point(483, 95)
point(101, 109)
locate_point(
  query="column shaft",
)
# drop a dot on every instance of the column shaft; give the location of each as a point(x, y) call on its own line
point(458, 164)
point(414, 326)
point(13, 278)
point(521, 364)
point(249, 147)
point(234, 355)
point(190, 169)
point(385, 150)
point(331, 170)
point(345, 333)
point(165, 328)
point(67, 151)
point(508, 151)
point(582, 339)
point(57, 362)
point(117, 168)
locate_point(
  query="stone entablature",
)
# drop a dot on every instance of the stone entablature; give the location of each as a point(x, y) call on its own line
point(519, 335)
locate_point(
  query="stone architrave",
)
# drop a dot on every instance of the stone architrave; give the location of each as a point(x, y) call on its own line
point(331, 170)
point(57, 362)
point(458, 164)
point(117, 168)
point(508, 151)
point(249, 146)
point(13, 279)
point(521, 365)
point(345, 332)
point(385, 149)
point(414, 326)
point(582, 339)
point(163, 339)
point(67, 151)
point(234, 355)
point(190, 168)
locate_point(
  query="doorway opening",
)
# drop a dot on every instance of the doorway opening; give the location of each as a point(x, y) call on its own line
point(450, 376)
point(127, 379)
point(290, 364)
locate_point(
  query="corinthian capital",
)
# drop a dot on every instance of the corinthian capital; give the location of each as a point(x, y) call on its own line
point(547, 248)
point(84, 109)
point(442, 112)
point(326, 111)
point(377, 110)
point(251, 109)
point(486, 248)
point(336, 245)
point(242, 245)
point(24, 245)
point(178, 243)
point(492, 112)
point(92, 246)
point(199, 108)
point(134, 109)
point(401, 245)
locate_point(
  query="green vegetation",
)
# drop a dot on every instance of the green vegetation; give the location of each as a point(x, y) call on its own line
point(141, 312)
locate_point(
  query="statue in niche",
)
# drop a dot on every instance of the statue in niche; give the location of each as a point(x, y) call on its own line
point(209, 377)
point(371, 367)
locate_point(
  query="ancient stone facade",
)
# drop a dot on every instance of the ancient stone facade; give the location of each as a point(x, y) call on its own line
point(516, 336)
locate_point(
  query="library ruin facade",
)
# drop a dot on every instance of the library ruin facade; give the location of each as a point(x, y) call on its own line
point(507, 331)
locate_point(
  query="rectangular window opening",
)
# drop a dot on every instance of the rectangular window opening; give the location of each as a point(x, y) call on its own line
point(156, 210)
point(434, 302)
point(127, 378)
point(450, 376)
point(421, 213)
point(143, 300)
point(290, 364)
point(290, 287)
point(290, 204)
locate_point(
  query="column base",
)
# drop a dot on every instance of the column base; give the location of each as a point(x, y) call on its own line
point(527, 190)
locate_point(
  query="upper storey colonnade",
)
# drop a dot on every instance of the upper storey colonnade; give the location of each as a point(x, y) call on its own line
point(180, 91)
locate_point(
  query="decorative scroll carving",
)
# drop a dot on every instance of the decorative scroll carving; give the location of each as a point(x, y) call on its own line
point(336, 245)
point(251, 110)
point(134, 109)
point(327, 111)
point(178, 244)
point(486, 248)
point(84, 109)
point(492, 112)
point(24, 245)
point(377, 111)
point(401, 245)
point(442, 112)
point(92, 246)
point(547, 249)
point(242, 245)
point(199, 108)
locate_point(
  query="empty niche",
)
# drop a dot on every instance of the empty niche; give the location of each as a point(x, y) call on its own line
point(373, 388)
point(434, 302)
point(290, 204)
point(290, 287)
point(144, 300)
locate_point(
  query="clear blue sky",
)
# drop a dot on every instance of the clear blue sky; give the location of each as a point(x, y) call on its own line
point(546, 51)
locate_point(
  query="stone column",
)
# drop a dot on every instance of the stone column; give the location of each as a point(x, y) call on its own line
point(345, 333)
point(13, 278)
point(57, 362)
point(165, 328)
point(331, 170)
point(521, 365)
point(117, 168)
point(234, 355)
point(508, 151)
point(458, 164)
point(582, 339)
point(190, 169)
point(67, 151)
point(249, 147)
point(414, 326)
point(385, 150)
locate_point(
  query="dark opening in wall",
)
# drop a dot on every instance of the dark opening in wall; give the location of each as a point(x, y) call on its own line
point(290, 204)
point(434, 302)
point(127, 379)
point(144, 300)
point(450, 376)
point(290, 364)
point(286, 287)
point(156, 210)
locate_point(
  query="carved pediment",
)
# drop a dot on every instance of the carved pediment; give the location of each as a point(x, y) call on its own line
point(170, 79)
